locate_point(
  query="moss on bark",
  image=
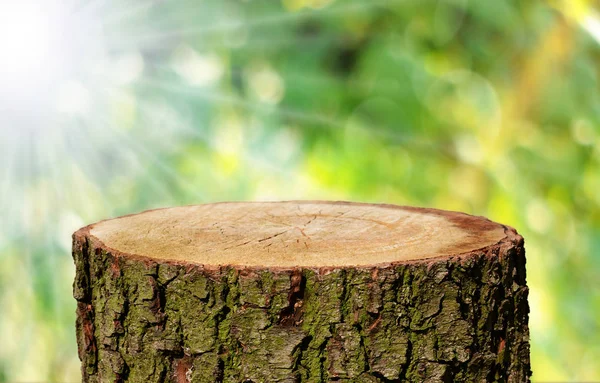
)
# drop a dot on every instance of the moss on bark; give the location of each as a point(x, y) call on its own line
point(453, 319)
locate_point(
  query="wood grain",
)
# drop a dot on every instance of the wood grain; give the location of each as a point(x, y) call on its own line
point(296, 234)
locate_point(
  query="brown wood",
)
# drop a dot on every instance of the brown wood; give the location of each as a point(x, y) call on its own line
point(301, 291)
point(297, 234)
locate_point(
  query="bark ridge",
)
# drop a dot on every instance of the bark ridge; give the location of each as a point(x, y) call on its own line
point(449, 319)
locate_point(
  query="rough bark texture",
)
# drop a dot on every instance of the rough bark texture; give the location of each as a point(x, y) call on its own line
point(451, 319)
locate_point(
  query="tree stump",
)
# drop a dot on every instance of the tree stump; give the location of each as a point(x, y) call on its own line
point(301, 292)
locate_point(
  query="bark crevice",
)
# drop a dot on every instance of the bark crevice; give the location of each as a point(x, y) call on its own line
point(459, 320)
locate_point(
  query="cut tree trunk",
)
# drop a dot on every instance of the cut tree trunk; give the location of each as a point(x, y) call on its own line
point(301, 292)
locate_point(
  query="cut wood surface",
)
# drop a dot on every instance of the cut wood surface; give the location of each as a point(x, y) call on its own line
point(301, 292)
point(292, 234)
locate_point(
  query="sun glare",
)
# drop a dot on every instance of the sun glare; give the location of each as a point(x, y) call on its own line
point(30, 40)
point(48, 51)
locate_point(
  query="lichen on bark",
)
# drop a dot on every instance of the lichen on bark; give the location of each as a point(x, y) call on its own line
point(451, 319)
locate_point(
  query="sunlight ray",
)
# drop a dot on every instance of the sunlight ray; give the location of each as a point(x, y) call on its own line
point(148, 108)
point(90, 166)
point(216, 96)
point(140, 148)
point(219, 97)
point(283, 17)
point(49, 150)
point(83, 8)
point(104, 127)
point(81, 203)
point(49, 241)
point(128, 12)
point(8, 152)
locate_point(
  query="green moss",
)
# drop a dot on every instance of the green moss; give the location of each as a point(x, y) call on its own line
point(137, 321)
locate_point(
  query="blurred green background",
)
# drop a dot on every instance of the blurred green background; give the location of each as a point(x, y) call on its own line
point(487, 107)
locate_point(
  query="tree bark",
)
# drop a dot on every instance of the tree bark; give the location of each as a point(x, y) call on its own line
point(155, 315)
